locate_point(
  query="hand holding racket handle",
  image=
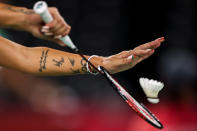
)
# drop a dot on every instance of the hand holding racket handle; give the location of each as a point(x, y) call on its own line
point(41, 8)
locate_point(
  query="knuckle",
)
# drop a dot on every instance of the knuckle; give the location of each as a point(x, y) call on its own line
point(124, 52)
point(124, 61)
point(56, 33)
point(59, 21)
point(68, 30)
point(65, 34)
point(69, 27)
point(54, 9)
point(54, 22)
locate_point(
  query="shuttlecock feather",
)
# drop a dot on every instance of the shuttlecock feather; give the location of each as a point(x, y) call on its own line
point(151, 88)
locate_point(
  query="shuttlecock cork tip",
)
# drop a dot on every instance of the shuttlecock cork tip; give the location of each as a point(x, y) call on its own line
point(151, 88)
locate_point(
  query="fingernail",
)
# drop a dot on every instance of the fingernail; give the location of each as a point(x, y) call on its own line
point(161, 39)
point(58, 37)
point(62, 45)
point(148, 50)
point(130, 57)
point(48, 33)
point(45, 27)
point(44, 30)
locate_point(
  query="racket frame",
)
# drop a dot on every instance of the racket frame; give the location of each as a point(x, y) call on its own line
point(139, 108)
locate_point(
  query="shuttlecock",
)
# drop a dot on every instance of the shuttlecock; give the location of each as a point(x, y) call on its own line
point(151, 88)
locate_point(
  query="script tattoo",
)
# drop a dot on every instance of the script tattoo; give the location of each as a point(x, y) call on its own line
point(43, 60)
point(20, 10)
point(59, 63)
point(72, 61)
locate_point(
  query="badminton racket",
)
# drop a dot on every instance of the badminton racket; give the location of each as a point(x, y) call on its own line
point(41, 8)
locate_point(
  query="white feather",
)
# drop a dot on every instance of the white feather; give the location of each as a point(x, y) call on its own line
point(151, 88)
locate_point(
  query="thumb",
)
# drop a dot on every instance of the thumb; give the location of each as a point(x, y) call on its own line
point(60, 42)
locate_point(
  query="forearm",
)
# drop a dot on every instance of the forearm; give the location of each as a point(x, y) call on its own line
point(46, 61)
point(13, 17)
point(42, 60)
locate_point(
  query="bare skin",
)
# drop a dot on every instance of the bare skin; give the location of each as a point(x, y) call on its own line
point(24, 19)
point(47, 61)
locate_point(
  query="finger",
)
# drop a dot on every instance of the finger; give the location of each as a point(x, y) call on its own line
point(56, 29)
point(60, 28)
point(52, 24)
point(43, 30)
point(60, 43)
point(54, 12)
point(58, 37)
point(60, 31)
point(151, 45)
point(46, 27)
point(136, 55)
point(141, 52)
point(145, 57)
point(50, 38)
point(48, 33)
point(124, 54)
point(68, 28)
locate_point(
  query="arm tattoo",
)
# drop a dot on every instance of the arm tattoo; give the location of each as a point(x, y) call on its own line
point(43, 60)
point(75, 71)
point(83, 64)
point(59, 63)
point(21, 10)
point(72, 61)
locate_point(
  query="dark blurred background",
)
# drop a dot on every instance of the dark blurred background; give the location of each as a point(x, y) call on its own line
point(88, 103)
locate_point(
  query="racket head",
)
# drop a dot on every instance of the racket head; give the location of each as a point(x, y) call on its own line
point(140, 109)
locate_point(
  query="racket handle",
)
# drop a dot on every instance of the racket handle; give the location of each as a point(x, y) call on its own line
point(41, 8)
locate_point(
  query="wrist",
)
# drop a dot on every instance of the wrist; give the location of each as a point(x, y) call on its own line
point(96, 61)
point(18, 18)
point(27, 20)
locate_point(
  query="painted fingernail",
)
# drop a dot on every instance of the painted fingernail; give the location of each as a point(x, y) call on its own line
point(45, 27)
point(44, 30)
point(58, 37)
point(130, 57)
point(148, 50)
point(48, 33)
point(64, 45)
point(161, 39)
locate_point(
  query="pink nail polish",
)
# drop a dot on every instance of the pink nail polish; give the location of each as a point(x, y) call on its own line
point(45, 27)
point(161, 39)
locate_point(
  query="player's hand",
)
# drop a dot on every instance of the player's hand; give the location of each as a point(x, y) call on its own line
point(128, 59)
point(51, 31)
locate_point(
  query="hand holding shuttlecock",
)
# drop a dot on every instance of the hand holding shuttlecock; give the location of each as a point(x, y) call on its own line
point(151, 88)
